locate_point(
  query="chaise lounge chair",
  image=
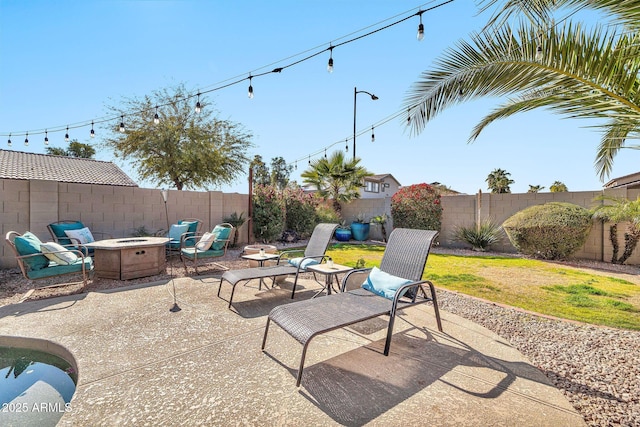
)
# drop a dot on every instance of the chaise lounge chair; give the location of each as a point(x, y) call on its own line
point(314, 253)
point(402, 266)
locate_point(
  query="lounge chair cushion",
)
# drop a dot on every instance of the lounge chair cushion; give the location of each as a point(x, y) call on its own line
point(29, 244)
point(56, 269)
point(383, 284)
point(83, 235)
point(205, 241)
point(303, 263)
point(59, 230)
point(177, 230)
point(193, 226)
point(58, 253)
point(221, 235)
point(190, 253)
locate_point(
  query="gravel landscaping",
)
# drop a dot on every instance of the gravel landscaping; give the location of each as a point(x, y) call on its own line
point(597, 368)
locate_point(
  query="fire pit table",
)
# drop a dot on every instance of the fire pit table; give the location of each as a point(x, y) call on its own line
point(129, 258)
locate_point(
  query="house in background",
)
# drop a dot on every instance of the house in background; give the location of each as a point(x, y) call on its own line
point(631, 181)
point(379, 186)
point(26, 166)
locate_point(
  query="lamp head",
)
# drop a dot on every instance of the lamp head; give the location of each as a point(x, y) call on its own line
point(375, 98)
point(165, 194)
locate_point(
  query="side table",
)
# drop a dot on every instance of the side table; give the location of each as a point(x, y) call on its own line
point(330, 272)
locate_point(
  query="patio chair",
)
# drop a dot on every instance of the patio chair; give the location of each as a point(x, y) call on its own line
point(72, 232)
point(39, 260)
point(187, 227)
point(285, 265)
point(402, 266)
point(206, 246)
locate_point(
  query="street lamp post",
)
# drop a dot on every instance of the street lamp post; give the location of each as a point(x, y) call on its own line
point(356, 92)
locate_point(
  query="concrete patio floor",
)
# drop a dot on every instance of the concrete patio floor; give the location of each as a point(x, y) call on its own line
point(140, 364)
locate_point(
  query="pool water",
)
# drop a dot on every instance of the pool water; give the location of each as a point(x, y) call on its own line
point(35, 387)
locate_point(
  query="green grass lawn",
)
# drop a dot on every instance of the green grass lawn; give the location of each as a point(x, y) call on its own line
point(585, 295)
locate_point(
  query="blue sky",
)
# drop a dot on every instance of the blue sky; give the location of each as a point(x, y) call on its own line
point(64, 61)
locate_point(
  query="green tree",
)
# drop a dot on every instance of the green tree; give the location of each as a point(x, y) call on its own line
point(535, 188)
point(75, 149)
point(498, 181)
point(558, 187)
point(184, 149)
point(336, 178)
point(280, 172)
point(541, 62)
point(260, 171)
point(620, 210)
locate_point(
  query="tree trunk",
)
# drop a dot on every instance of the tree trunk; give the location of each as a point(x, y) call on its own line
point(631, 239)
point(613, 236)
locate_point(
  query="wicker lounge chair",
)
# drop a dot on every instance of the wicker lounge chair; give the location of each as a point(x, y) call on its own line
point(313, 253)
point(404, 257)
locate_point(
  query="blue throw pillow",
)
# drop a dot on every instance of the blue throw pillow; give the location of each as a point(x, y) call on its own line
point(298, 262)
point(29, 244)
point(383, 284)
point(221, 236)
point(177, 230)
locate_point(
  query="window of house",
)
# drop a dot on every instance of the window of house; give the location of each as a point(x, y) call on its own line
point(372, 187)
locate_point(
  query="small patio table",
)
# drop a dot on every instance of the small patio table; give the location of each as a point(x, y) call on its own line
point(261, 258)
point(330, 271)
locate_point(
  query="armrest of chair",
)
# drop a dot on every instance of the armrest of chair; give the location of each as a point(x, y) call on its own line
point(354, 279)
point(404, 290)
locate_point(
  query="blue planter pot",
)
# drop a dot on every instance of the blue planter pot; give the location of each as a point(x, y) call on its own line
point(343, 235)
point(360, 231)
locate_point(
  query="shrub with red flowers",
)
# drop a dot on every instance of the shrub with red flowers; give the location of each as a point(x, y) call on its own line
point(300, 211)
point(268, 213)
point(417, 206)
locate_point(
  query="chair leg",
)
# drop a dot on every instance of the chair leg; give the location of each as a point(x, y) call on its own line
point(435, 305)
point(295, 282)
point(301, 367)
point(387, 344)
point(233, 289)
point(266, 331)
point(219, 287)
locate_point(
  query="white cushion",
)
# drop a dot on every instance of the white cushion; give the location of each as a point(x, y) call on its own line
point(205, 241)
point(83, 235)
point(62, 255)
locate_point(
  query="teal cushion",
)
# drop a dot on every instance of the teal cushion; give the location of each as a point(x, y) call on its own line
point(221, 236)
point(59, 231)
point(56, 270)
point(29, 244)
point(383, 284)
point(302, 263)
point(193, 226)
point(177, 230)
point(190, 253)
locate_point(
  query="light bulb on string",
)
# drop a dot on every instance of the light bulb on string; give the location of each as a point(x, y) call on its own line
point(250, 93)
point(373, 135)
point(93, 133)
point(26, 139)
point(66, 135)
point(156, 117)
point(346, 145)
point(46, 137)
point(122, 124)
point(420, 35)
point(325, 153)
point(198, 106)
point(295, 165)
point(9, 141)
point(309, 159)
point(330, 63)
point(539, 54)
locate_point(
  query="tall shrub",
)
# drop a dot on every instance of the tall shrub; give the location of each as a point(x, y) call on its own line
point(417, 206)
point(268, 213)
point(300, 211)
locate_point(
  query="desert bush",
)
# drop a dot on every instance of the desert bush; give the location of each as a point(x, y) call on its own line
point(300, 210)
point(268, 213)
point(480, 236)
point(417, 206)
point(550, 231)
point(327, 214)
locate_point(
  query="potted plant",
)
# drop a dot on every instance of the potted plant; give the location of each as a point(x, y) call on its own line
point(381, 220)
point(343, 232)
point(360, 228)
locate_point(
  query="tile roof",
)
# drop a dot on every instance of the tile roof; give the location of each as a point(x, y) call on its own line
point(21, 165)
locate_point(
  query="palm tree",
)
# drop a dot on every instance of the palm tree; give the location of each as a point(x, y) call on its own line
point(542, 64)
point(498, 181)
point(558, 187)
point(336, 179)
point(621, 210)
point(535, 188)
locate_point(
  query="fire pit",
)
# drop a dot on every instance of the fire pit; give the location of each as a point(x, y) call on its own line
point(131, 258)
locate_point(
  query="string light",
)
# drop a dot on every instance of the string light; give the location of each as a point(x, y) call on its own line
point(122, 124)
point(156, 118)
point(539, 54)
point(325, 153)
point(309, 159)
point(346, 145)
point(9, 141)
point(66, 135)
point(93, 133)
point(373, 135)
point(26, 139)
point(330, 63)
point(250, 94)
point(420, 34)
point(198, 106)
point(46, 137)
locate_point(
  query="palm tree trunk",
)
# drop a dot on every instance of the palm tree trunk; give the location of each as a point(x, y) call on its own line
point(631, 239)
point(613, 236)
